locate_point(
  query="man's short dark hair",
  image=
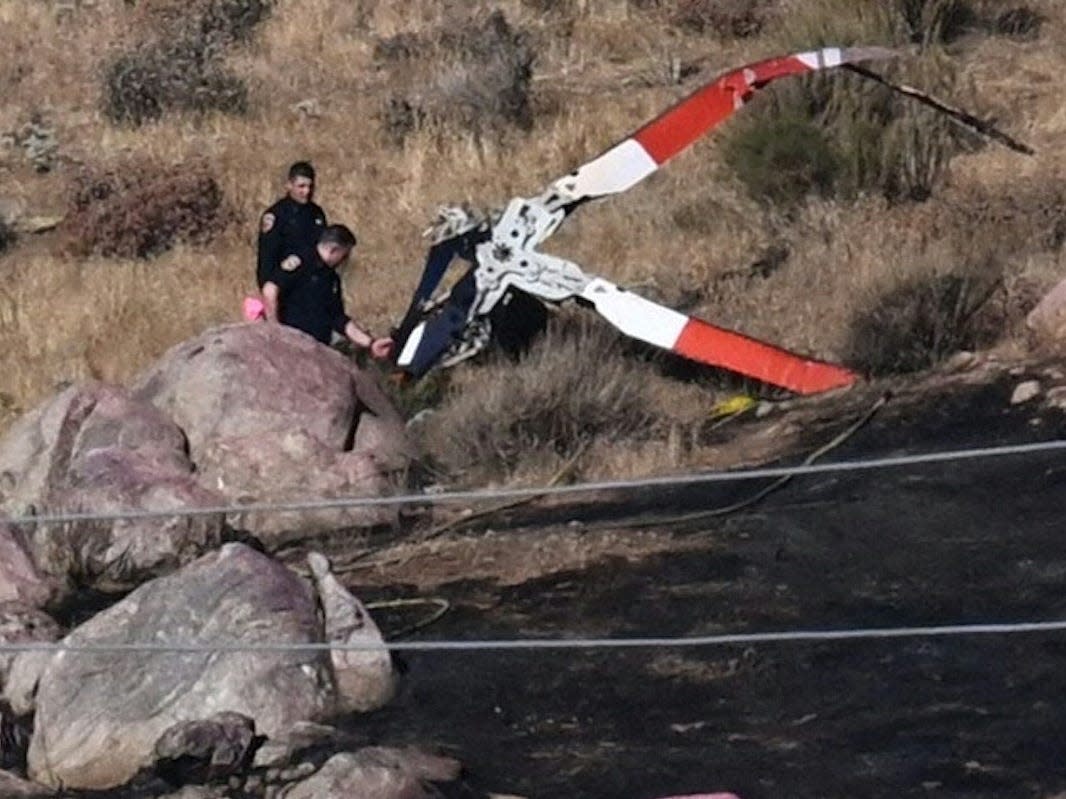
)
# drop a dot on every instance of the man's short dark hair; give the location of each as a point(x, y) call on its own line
point(338, 234)
point(302, 169)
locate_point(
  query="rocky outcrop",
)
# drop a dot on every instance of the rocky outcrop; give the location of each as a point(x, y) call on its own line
point(273, 416)
point(99, 714)
point(37, 451)
point(94, 449)
point(365, 678)
point(119, 554)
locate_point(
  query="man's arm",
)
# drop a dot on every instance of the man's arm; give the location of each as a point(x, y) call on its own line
point(379, 347)
point(270, 300)
point(280, 280)
point(342, 323)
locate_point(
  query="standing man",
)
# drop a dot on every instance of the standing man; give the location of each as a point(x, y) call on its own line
point(292, 224)
point(309, 296)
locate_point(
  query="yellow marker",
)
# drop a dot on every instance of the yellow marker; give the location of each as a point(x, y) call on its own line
point(731, 406)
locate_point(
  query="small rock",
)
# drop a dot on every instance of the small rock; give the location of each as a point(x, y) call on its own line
point(297, 772)
point(284, 750)
point(11, 787)
point(961, 361)
point(365, 678)
point(375, 772)
point(37, 224)
point(308, 108)
point(1025, 391)
point(1056, 398)
point(10, 210)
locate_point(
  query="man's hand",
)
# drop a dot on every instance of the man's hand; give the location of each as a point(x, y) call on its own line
point(381, 348)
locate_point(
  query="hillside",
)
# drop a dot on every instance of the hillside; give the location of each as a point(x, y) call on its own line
point(904, 242)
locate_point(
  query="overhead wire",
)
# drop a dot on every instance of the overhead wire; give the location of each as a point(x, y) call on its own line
point(481, 495)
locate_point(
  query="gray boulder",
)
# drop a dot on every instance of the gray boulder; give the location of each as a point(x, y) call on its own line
point(271, 415)
point(37, 450)
point(375, 773)
point(116, 555)
point(295, 466)
point(93, 448)
point(365, 678)
point(99, 714)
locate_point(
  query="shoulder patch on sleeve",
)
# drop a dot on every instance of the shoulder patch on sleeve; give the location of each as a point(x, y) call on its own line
point(267, 222)
point(290, 263)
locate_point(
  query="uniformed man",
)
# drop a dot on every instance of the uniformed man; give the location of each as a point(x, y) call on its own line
point(309, 294)
point(290, 225)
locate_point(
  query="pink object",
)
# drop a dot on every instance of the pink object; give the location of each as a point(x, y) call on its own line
point(254, 309)
point(706, 796)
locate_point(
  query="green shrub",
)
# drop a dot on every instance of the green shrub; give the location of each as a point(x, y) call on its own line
point(780, 160)
point(877, 141)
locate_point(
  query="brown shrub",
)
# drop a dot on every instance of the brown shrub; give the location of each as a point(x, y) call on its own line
point(1019, 22)
point(179, 65)
point(574, 385)
point(475, 76)
point(139, 209)
point(919, 323)
point(726, 18)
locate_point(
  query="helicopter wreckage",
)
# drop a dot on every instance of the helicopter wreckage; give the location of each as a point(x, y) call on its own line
point(508, 274)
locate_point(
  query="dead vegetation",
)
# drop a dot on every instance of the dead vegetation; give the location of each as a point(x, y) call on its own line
point(139, 209)
point(724, 18)
point(179, 65)
point(473, 75)
point(574, 386)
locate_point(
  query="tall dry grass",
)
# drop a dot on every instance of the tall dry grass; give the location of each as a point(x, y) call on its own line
point(315, 89)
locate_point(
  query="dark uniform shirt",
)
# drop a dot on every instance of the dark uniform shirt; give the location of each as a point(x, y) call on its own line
point(286, 227)
point(310, 297)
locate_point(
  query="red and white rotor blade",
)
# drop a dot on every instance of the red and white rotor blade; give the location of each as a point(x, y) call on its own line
point(629, 162)
point(701, 341)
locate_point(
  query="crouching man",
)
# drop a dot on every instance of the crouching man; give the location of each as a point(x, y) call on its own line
point(305, 292)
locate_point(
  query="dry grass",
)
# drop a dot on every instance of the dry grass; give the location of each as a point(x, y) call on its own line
point(573, 387)
point(602, 67)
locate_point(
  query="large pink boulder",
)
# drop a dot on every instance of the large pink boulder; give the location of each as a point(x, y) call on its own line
point(94, 449)
point(271, 415)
